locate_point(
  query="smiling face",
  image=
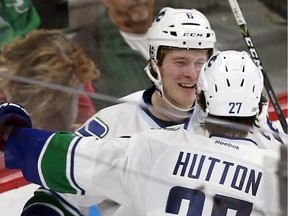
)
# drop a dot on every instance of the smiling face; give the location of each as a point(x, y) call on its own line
point(180, 71)
point(132, 16)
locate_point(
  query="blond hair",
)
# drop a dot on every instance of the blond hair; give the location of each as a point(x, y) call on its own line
point(48, 56)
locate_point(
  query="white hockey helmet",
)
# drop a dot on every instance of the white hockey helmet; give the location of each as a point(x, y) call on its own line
point(232, 84)
point(180, 28)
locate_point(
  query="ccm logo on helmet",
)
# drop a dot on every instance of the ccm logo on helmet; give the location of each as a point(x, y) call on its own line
point(188, 34)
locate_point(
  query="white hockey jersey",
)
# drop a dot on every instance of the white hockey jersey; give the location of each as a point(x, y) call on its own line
point(126, 119)
point(155, 173)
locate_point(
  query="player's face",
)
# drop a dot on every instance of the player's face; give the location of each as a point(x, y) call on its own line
point(134, 16)
point(180, 72)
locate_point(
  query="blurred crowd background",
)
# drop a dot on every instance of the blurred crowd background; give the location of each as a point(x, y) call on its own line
point(266, 20)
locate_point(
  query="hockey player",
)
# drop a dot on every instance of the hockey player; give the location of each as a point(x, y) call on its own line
point(176, 57)
point(163, 172)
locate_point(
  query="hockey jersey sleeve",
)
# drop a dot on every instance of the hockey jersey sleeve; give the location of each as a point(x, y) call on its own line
point(69, 164)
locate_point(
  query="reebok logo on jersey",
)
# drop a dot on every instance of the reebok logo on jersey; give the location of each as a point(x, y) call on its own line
point(227, 144)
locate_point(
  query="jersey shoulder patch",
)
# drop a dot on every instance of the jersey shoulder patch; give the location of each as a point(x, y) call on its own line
point(95, 127)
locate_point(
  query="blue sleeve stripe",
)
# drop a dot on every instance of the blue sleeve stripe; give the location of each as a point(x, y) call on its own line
point(22, 151)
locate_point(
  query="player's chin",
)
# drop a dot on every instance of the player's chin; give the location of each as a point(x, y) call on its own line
point(186, 100)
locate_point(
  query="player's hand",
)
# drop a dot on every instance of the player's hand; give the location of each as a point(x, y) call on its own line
point(12, 115)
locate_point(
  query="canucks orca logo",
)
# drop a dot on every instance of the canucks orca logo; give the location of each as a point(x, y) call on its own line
point(160, 15)
point(189, 15)
point(212, 60)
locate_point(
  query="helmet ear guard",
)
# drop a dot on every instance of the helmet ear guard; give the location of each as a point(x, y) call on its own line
point(232, 84)
point(154, 75)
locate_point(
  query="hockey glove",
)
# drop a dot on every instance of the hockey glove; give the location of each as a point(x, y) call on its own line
point(12, 115)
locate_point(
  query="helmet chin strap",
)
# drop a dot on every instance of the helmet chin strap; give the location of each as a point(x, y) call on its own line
point(175, 111)
point(175, 107)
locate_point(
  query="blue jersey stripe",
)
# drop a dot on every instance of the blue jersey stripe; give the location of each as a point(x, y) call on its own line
point(22, 151)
